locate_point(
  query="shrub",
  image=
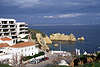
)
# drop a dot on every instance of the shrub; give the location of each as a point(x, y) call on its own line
point(30, 57)
point(4, 65)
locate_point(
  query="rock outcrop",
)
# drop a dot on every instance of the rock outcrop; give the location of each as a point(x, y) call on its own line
point(47, 40)
point(62, 37)
point(42, 42)
point(81, 38)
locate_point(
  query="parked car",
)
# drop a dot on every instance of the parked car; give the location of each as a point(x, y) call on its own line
point(38, 61)
point(33, 62)
point(46, 58)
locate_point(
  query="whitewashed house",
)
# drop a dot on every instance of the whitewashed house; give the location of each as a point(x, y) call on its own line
point(16, 51)
point(7, 40)
point(24, 49)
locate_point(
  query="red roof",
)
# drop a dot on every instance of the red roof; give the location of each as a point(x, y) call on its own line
point(4, 45)
point(23, 44)
point(5, 39)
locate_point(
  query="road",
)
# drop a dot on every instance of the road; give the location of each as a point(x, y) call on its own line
point(43, 63)
point(52, 59)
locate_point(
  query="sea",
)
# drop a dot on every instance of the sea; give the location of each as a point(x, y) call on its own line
point(90, 32)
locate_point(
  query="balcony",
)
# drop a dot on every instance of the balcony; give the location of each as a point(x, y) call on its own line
point(5, 31)
point(6, 34)
point(21, 32)
point(13, 34)
point(0, 30)
point(4, 23)
point(23, 27)
point(13, 30)
point(11, 23)
point(26, 33)
point(14, 37)
point(5, 26)
point(0, 35)
point(12, 27)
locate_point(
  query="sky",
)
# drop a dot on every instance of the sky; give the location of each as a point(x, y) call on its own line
point(34, 12)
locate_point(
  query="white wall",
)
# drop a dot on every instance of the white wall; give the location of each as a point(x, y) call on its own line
point(10, 42)
point(25, 51)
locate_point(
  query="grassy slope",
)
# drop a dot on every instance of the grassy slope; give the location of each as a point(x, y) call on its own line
point(34, 33)
point(4, 65)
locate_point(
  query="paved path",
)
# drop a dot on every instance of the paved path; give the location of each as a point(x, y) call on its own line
point(43, 63)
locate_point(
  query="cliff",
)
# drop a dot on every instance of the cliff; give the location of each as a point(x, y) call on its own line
point(47, 39)
point(58, 36)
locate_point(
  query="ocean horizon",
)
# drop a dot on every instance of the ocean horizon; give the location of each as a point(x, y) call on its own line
point(90, 32)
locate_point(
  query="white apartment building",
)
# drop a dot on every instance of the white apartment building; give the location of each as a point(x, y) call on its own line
point(22, 29)
point(11, 29)
point(8, 29)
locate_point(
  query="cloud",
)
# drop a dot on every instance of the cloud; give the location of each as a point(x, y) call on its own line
point(34, 3)
point(65, 15)
point(21, 3)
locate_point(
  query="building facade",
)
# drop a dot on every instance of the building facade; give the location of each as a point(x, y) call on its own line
point(22, 29)
point(7, 40)
point(11, 29)
point(8, 29)
point(15, 52)
point(24, 49)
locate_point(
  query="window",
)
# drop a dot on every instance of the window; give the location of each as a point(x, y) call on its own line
point(32, 54)
point(4, 22)
point(1, 51)
point(11, 22)
point(22, 50)
point(29, 49)
point(13, 41)
point(25, 49)
point(32, 48)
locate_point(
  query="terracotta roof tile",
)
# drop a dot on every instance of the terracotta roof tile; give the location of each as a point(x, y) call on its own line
point(4, 45)
point(5, 39)
point(23, 44)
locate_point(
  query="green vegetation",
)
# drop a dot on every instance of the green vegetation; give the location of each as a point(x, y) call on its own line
point(26, 37)
point(94, 64)
point(98, 57)
point(33, 33)
point(30, 57)
point(84, 61)
point(4, 65)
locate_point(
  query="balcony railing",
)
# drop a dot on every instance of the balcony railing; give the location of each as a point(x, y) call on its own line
point(4, 27)
point(5, 30)
point(24, 27)
point(12, 30)
point(4, 24)
point(12, 27)
point(6, 35)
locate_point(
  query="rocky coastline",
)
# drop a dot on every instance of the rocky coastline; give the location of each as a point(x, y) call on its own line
point(63, 37)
